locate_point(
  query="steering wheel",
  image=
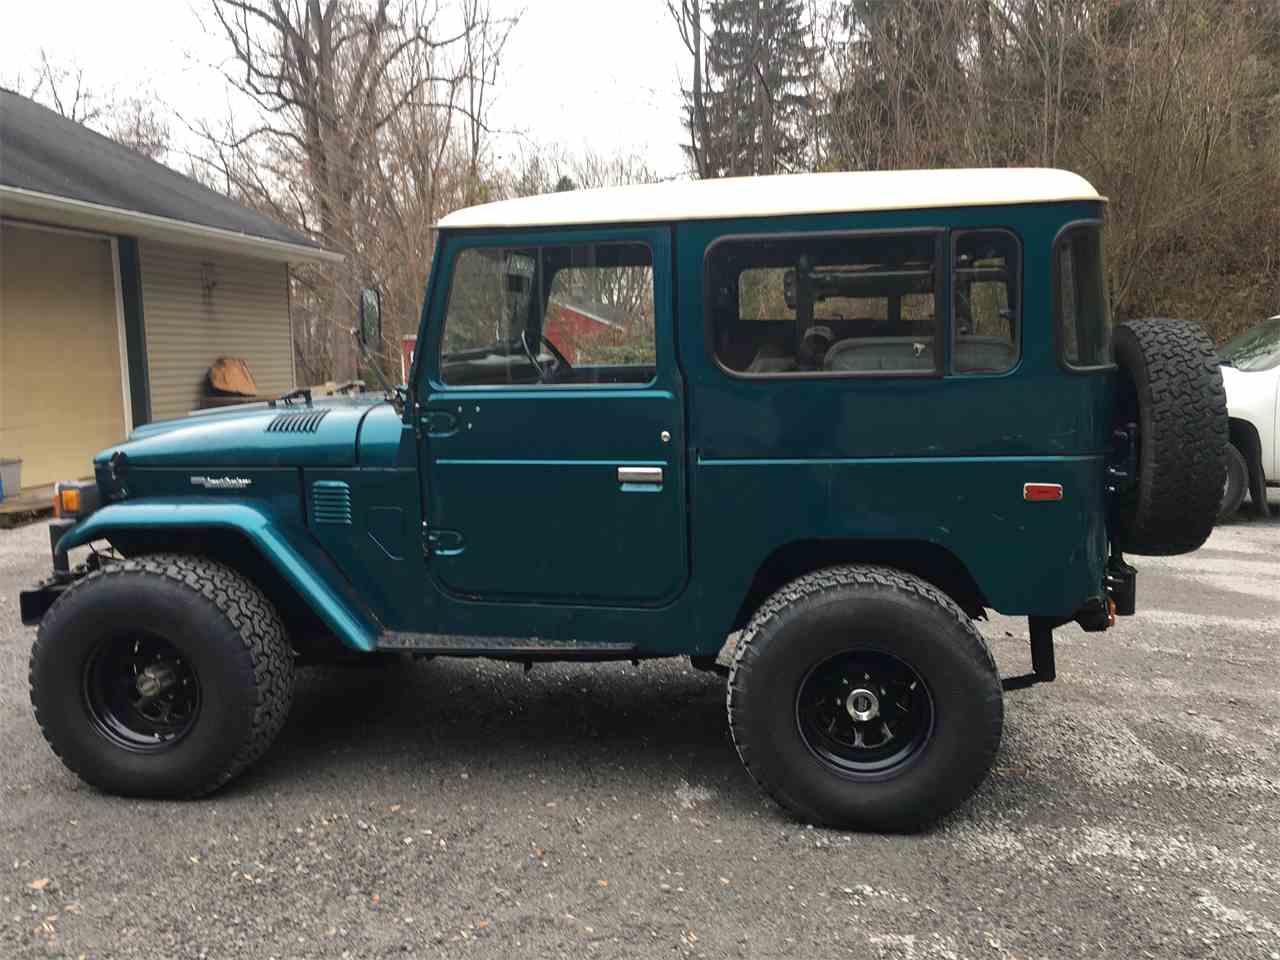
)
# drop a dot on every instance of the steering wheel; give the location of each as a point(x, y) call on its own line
point(561, 362)
point(544, 374)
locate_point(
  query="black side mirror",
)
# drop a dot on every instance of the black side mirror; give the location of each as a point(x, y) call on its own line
point(370, 328)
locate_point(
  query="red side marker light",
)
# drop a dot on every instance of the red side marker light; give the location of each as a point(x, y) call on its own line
point(1041, 491)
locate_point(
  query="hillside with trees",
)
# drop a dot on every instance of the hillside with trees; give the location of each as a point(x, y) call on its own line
point(1169, 107)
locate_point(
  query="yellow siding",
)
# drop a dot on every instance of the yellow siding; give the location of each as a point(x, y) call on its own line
point(198, 306)
point(61, 397)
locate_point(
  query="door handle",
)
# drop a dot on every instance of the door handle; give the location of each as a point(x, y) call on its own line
point(650, 476)
point(440, 423)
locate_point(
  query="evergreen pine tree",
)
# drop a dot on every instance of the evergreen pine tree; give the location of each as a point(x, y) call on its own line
point(756, 72)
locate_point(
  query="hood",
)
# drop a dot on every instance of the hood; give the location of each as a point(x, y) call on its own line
point(322, 434)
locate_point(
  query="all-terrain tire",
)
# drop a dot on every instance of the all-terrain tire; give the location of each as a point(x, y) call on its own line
point(1237, 482)
point(217, 621)
point(1172, 387)
point(856, 611)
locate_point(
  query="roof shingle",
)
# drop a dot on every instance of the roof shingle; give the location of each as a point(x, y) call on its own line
point(44, 152)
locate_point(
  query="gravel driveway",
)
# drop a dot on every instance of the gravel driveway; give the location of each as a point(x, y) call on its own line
point(595, 811)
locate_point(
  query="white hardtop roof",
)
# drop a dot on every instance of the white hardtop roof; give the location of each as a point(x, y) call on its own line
point(779, 196)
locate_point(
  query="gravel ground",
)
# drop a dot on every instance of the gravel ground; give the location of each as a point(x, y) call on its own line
point(466, 808)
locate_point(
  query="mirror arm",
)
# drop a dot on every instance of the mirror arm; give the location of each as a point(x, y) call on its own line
point(394, 394)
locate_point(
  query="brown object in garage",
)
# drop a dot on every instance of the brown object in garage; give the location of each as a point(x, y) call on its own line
point(231, 375)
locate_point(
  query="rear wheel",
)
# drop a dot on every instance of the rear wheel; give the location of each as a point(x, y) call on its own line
point(864, 697)
point(162, 676)
point(1236, 484)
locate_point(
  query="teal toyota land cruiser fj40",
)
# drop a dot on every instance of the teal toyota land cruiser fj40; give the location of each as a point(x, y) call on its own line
point(834, 417)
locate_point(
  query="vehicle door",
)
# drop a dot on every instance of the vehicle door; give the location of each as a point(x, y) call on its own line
point(552, 419)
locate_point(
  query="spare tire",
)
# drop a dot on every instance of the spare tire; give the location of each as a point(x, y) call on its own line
point(1171, 387)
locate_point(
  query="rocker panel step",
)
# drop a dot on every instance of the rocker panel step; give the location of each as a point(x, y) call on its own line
point(457, 646)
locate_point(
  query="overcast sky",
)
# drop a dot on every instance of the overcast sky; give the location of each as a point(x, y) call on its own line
point(603, 74)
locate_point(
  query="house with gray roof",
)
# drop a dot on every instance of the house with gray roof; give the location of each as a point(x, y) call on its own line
point(121, 282)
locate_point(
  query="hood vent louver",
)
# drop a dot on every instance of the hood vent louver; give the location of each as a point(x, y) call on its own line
point(331, 502)
point(303, 421)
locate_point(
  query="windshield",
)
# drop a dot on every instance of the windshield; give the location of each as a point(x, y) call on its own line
point(1255, 349)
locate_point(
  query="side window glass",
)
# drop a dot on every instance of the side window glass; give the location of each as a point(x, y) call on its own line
point(824, 304)
point(1080, 298)
point(550, 316)
point(987, 317)
point(601, 315)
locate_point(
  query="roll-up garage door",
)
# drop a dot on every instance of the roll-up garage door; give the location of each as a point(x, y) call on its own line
point(61, 389)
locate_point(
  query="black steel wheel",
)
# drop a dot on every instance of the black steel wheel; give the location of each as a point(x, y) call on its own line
point(866, 713)
point(161, 676)
point(864, 697)
point(141, 692)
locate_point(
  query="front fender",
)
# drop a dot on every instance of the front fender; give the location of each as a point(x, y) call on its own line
point(291, 551)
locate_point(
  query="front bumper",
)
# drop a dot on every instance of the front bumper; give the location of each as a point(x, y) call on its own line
point(33, 604)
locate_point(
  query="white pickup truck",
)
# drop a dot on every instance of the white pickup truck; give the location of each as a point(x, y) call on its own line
point(1251, 375)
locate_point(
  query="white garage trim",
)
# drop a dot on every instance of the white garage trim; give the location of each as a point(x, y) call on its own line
point(133, 223)
point(126, 397)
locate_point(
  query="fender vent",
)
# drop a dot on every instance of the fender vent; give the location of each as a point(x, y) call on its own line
point(304, 421)
point(331, 502)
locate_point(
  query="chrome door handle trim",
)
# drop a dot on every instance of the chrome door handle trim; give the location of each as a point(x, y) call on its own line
point(639, 474)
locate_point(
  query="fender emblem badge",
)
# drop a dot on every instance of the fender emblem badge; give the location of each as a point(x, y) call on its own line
point(221, 483)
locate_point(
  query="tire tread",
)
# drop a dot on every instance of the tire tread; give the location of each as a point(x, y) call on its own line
point(257, 623)
point(1184, 436)
point(836, 578)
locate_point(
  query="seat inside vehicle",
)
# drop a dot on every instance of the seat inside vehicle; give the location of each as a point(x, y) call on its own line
point(984, 353)
point(869, 354)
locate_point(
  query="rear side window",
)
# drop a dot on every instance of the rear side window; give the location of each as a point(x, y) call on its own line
point(1082, 313)
point(985, 287)
point(822, 304)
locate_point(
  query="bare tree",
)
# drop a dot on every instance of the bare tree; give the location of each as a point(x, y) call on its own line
point(63, 88)
point(138, 121)
point(327, 77)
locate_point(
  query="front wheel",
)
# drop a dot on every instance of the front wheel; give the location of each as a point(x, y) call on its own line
point(162, 676)
point(864, 697)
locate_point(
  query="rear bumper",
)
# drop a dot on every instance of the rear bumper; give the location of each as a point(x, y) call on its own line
point(1122, 586)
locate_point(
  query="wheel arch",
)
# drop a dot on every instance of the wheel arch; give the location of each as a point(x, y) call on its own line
point(1245, 438)
point(925, 559)
point(291, 570)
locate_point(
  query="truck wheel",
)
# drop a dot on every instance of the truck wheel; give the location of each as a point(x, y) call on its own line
point(1237, 483)
point(162, 676)
point(864, 697)
point(1171, 387)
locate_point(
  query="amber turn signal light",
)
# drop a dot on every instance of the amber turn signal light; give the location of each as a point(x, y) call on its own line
point(72, 499)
